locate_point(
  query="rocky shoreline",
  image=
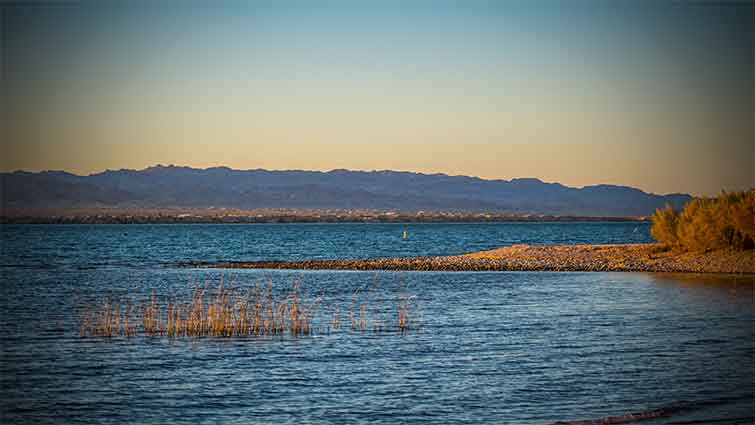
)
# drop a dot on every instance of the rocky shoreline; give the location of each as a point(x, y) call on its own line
point(597, 258)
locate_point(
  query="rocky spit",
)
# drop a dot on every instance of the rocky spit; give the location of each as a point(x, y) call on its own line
point(597, 258)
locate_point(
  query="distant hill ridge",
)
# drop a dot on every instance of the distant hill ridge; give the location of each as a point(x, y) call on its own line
point(177, 186)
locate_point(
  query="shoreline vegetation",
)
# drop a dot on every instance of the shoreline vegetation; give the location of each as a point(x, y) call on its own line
point(707, 224)
point(595, 258)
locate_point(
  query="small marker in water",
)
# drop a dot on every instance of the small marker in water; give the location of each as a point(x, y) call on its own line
point(406, 235)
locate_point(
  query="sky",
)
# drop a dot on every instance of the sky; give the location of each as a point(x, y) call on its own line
point(654, 95)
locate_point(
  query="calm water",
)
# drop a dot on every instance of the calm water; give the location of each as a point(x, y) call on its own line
point(493, 347)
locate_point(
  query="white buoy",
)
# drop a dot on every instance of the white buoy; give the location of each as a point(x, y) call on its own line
point(406, 235)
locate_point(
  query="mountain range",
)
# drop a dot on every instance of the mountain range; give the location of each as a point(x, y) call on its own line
point(177, 186)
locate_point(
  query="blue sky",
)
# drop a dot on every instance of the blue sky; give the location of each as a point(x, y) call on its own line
point(656, 95)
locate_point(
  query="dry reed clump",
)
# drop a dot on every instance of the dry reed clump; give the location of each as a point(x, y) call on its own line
point(368, 313)
point(108, 320)
point(226, 312)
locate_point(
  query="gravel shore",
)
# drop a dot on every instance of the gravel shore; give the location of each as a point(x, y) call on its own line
point(621, 257)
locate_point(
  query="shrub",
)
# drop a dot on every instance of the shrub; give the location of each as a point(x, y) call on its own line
point(743, 219)
point(698, 229)
point(727, 221)
point(665, 222)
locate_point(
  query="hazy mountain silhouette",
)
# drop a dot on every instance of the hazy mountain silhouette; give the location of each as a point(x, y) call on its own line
point(172, 186)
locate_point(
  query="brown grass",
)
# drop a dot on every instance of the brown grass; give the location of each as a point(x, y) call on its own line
point(228, 312)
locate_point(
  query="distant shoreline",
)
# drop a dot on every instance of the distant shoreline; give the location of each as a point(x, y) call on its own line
point(593, 258)
point(231, 216)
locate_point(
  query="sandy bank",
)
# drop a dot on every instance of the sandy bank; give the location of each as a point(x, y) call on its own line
point(625, 257)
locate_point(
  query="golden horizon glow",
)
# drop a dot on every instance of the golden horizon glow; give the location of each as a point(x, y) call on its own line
point(578, 98)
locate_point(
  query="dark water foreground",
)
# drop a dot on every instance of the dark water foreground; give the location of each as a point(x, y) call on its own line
point(512, 347)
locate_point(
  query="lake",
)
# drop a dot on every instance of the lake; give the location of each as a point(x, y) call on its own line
point(505, 347)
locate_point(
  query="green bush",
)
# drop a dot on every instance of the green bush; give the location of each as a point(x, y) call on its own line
point(705, 224)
